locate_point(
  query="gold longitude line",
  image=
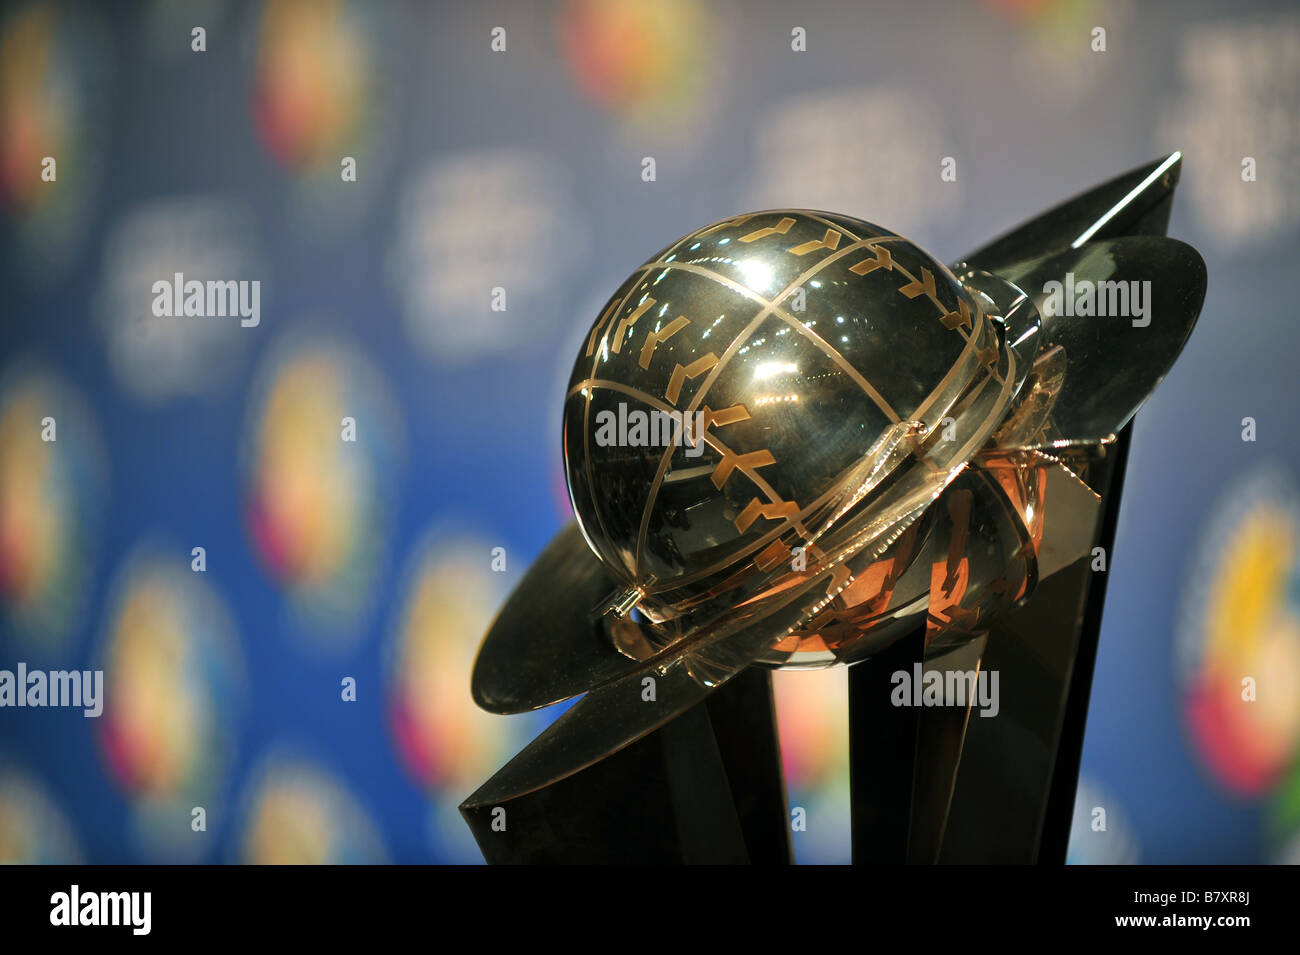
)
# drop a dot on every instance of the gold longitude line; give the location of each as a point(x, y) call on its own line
point(758, 481)
point(622, 303)
point(968, 449)
point(586, 411)
point(735, 345)
point(586, 465)
point(840, 361)
point(771, 308)
point(589, 385)
point(716, 277)
point(666, 459)
point(944, 382)
point(658, 481)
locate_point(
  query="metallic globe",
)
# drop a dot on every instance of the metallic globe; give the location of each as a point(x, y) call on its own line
point(793, 438)
point(760, 413)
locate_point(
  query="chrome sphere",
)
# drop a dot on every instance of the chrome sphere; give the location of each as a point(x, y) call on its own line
point(760, 402)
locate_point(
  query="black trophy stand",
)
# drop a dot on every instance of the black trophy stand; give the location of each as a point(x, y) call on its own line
point(938, 785)
point(929, 784)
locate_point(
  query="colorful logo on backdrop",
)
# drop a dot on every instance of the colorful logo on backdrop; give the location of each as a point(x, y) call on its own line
point(646, 63)
point(51, 498)
point(33, 829)
point(812, 709)
point(174, 685)
point(1239, 640)
point(1057, 48)
point(299, 813)
point(321, 450)
point(51, 93)
point(322, 93)
point(312, 81)
point(447, 744)
point(445, 741)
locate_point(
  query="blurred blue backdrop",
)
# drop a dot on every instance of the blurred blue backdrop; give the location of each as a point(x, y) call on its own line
point(228, 154)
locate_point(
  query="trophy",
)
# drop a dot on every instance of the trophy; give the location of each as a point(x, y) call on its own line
point(795, 439)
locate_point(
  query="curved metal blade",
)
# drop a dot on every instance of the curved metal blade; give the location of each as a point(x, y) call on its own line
point(613, 716)
point(540, 650)
point(1112, 362)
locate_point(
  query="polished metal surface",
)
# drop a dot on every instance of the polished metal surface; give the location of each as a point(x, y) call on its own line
point(536, 659)
point(792, 436)
point(1112, 359)
point(816, 359)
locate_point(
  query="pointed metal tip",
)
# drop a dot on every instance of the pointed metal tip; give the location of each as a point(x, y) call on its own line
point(1156, 185)
point(1134, 203)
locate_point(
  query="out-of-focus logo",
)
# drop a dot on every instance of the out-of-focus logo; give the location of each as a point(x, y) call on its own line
point(892, 125)
point(322, 92)
point(1239, 647)
point(481, 239)
point(812, 708)
point(1055, 56)
point(650, 64)
point(33, 829)
point(1235, 119)
point(321, 449)
point(299, 813)
point(52, 86)
point(1100, 831)
point(164, 356)
point(444, 740)
point(51, 496)
point(174, 692)
point(312, 84)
